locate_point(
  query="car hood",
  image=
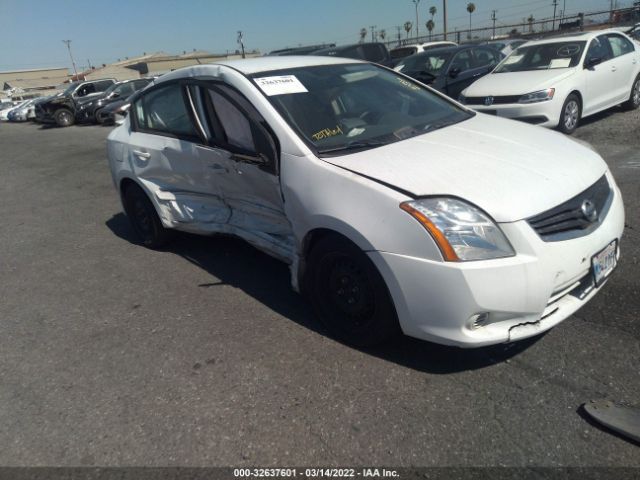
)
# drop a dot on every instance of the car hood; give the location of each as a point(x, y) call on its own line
point(517, 83)
point(509, 169)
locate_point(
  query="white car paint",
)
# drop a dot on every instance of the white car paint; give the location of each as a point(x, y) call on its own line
point(600, 87)
point(510, 170)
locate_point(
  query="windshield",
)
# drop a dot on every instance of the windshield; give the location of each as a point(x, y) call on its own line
point(543, 56)
point(349, 107)
point(427, 62)
point(69, 90)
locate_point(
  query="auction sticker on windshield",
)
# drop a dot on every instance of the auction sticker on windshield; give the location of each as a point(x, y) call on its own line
point(280, 85)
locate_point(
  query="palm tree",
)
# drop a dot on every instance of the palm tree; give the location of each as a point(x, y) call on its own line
point(363, 34)
point(433, 11)
point(470, 8)
point(530, 20)
point(430, 26)
point(407, 28)
point(382, 34)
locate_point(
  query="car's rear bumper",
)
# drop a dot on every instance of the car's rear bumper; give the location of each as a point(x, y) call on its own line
point(523, 295)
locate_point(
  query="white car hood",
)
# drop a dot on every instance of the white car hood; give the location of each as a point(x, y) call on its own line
point(509, 169)
point(517, 83)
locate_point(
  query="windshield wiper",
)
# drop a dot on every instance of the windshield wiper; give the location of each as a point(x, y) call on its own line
point(354, 145)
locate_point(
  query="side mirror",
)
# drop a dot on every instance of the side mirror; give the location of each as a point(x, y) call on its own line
point(454, 72)
point(592, 62)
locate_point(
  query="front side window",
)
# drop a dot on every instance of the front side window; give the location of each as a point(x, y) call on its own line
point(431, 63)
point(544, 56)
point(620, 45)
point(484, 57)
point(599, 48)
point(462, 61)
point(236, 126)
point(163, 110)
point(85, 90)
point(355, 106)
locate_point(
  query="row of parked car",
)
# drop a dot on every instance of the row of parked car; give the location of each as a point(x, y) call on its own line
point(95, 101)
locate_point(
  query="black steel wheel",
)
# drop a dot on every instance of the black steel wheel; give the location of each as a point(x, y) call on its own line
point(349, 294)
point(144, 218)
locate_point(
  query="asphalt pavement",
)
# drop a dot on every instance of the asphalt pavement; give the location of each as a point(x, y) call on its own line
point(202, 355)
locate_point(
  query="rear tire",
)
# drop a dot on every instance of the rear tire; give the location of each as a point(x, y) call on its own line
point(64, 117)
point(634, 98)
point(570, 114)
point(144, 219)
point(349, 294)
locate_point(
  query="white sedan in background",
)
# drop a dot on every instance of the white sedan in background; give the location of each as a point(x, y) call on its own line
point(396, 208)
point(557, 81)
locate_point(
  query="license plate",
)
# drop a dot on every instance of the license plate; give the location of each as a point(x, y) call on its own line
point(604, 262)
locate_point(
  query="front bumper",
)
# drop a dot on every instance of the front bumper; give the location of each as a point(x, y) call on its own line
point(524, 295)
point(544, 114)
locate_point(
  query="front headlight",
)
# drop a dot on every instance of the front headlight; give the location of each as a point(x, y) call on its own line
point(540, 96)
point(461, 231)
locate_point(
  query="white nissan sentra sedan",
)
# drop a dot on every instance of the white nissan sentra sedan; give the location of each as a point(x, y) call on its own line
point(557, 81)
point(396, 208)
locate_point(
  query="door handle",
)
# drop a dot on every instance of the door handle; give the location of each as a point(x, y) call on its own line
point(217, 168)
point(142, 155)
point(613, 69)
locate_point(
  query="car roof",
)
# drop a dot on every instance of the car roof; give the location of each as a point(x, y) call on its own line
point(249, 66)
point(574, 37)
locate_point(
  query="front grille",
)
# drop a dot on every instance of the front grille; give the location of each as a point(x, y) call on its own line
point(568, 219)
point(496, 100)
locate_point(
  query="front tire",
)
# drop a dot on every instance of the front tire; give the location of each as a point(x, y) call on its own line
point(97, 116)
point(634, 98)
point(144, 219)
point(570, 114)
point(349, 294)
point(64, 117)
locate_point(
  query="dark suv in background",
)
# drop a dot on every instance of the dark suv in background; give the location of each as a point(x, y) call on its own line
point(89, 110)
point(371, 52)
point(62, 108)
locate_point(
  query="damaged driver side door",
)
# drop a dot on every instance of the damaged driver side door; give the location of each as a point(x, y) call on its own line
point(244, 154)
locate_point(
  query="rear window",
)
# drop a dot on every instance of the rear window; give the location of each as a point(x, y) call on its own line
point(403, 52)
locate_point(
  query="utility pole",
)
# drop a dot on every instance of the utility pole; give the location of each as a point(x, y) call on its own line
point(444, 17)
point(241, 42)
point(555, 5)
point(68, 43)
point(493, 17)
point(416, 3)
point(373, 29)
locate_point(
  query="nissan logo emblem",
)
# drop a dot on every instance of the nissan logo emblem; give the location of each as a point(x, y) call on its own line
point(589, 210)
point(488, 101)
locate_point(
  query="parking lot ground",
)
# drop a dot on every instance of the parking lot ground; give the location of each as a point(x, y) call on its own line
point(112, 354)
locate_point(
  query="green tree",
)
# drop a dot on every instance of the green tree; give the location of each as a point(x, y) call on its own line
point(407, 28)
point(430, 26)
point(363, 34)
point(471, 7)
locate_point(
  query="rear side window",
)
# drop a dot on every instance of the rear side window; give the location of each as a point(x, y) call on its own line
point(139, 84)
point(620, 45)
point(163, 110)
point(462, 61)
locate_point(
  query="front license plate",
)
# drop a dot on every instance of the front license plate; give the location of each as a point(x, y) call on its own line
point(604, 262)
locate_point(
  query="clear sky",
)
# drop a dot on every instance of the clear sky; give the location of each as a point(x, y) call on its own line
point(103, 31)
